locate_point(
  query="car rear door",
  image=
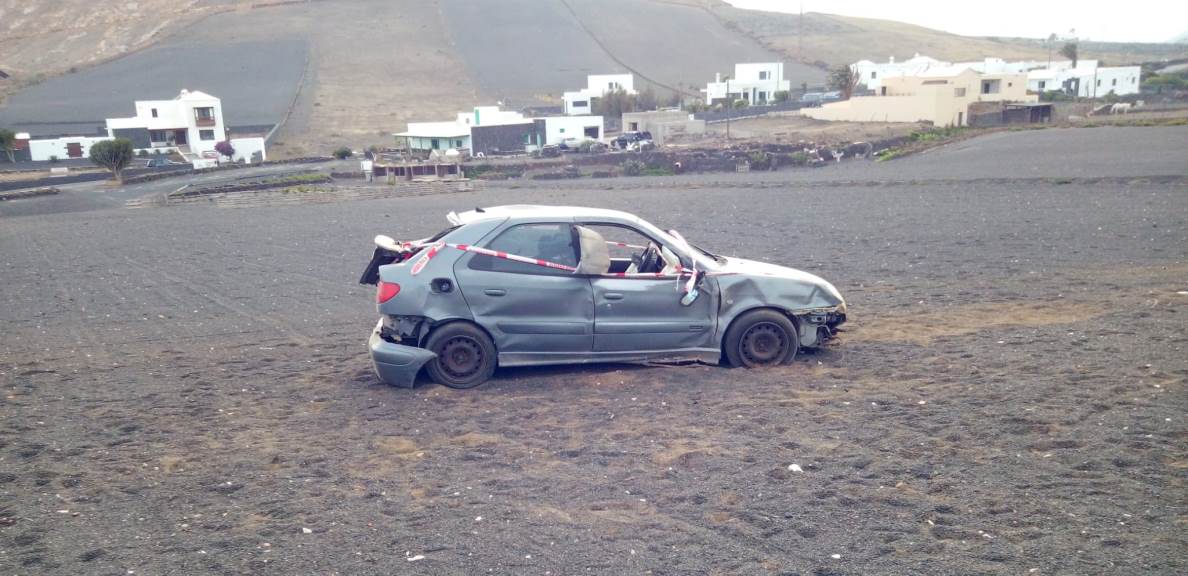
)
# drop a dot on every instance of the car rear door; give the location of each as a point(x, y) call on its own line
point(530, 310)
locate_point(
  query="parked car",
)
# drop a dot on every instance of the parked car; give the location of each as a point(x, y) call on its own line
point(626, 139)
point(535, 285)
point(811, 98)
point(548, 151)
point(159, 163)
point(571, 144)
point(831, 96)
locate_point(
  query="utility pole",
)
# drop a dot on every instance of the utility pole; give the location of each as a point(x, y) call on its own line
point(729, 107)
point(800, 34)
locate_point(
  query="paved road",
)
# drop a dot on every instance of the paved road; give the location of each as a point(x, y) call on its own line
point(185, 390)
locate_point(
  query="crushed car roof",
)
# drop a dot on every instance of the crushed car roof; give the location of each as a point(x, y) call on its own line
point(539, 211)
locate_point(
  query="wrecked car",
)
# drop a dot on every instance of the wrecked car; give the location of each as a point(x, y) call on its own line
point(537, 285)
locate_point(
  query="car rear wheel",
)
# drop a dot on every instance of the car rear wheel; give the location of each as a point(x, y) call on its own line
point(761, 338)
point(465, 355)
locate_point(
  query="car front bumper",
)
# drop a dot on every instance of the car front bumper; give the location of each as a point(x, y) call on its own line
point(396, 364)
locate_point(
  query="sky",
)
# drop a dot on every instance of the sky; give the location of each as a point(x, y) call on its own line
point(1110, 21)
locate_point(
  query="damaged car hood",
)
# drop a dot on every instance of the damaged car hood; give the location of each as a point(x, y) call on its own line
point(745, 267)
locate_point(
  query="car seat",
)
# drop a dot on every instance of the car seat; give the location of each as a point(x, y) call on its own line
point(595, 255)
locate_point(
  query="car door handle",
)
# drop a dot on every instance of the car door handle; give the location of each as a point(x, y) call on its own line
point(613, 295)
point(494, 291)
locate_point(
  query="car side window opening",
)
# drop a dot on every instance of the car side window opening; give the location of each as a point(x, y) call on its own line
point(632, 251)
point(554, 242)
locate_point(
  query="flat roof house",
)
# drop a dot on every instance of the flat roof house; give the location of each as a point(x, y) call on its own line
point(756, 83)
point(1086, 79)
point(191, 123)
point(581, 102)
point(941, 96)
point(483, 130)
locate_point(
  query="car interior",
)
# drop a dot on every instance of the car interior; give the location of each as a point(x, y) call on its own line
point(596, 258)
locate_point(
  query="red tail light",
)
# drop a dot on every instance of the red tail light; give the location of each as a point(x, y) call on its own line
point(386, 291)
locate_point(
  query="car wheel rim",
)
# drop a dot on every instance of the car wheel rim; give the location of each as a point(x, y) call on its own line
point(460, 357)
point(762, 344)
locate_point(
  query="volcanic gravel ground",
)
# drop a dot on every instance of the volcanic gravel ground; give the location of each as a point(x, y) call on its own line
point(186, 390)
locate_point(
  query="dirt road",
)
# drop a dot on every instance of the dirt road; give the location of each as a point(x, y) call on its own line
point(186, 390)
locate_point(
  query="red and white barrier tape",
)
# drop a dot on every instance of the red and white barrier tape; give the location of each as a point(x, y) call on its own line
point(435, 248)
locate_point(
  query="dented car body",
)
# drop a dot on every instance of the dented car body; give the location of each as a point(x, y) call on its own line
point(537, 285)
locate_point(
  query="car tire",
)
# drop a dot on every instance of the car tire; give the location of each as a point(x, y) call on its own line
point(760, 338)
point(465, 355)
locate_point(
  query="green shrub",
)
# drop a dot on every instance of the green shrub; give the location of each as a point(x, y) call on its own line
point(741, 103)
point(798, 159)
point(781, 96)
point(759, 160)
point(53, 159)
point(633, 168)
point(342, 153)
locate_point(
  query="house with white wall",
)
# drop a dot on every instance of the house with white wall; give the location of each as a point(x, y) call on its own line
point(581, 102)
point(939, 95)
point(189, 124)
point(1085, 79)
point(755, 83)
point(561, 128)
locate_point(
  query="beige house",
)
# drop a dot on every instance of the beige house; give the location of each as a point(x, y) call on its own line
point(940, 95)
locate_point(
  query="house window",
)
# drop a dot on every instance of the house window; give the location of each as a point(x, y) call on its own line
point(959, 92)
point(158, 135)
point(1099, 82)
point(457, 143)
point(1114, 82)
point(154, 112)
point(562, 130)
point(990, 86)
point(763, 75)
point(204, 116)
point(435, 144)
point(581, 103)
point(206, 134)
point(873, 74)
point(763, 96)
point(1042, 84)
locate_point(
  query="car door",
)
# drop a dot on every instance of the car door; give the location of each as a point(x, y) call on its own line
point(646, 314)
point(530, 311)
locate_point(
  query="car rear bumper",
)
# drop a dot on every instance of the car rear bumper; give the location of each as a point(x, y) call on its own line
point(396, 364)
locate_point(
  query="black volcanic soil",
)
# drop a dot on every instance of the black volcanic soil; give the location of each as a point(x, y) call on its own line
point(186, 390)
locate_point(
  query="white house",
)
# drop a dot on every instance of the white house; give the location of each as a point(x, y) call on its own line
point(580, 102)
point(60, 148)
point(755, 83)
point(871, 74)
point(455, 134)
point(189, 124)
point(561, 128)
point(1087, 79)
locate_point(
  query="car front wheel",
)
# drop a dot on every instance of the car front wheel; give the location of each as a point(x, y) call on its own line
point(465, 355)
point(761, 338)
